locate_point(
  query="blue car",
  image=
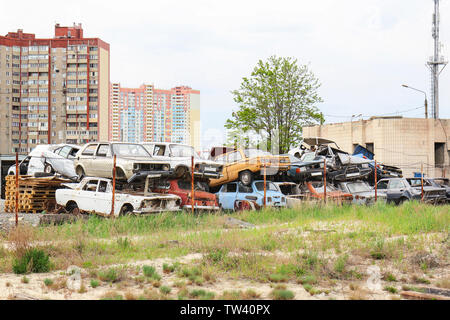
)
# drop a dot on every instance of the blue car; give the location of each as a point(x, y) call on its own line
point(236, 196)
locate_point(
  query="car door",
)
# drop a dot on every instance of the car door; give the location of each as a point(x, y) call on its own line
point(58, 158)
point(103, 197)
point(86, 197)
point(103, 161)
point(234, 167)
point(382, 187)
point(228, 196)
point(86, 158)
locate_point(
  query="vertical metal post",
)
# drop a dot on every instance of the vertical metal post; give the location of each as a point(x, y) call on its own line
point(325, 180)
point(113, 187)
point(376, 188)
point(265, 188)
point(192, 185)
point(17, 189)
point(421, 179)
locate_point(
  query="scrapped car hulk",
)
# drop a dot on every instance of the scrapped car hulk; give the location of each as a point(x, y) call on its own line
point(203, 200)
point(179, 156)
point(247, 164)
point(398, 190)
point(236, 196)
point(133, 162)
point(94, 195)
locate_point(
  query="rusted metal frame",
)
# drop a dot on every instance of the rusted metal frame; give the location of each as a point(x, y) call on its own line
point(113, 187)
point(325, 180)
point(421, 180)
point(192, 185)
point(265, 183)
point(17, 189)
point(376, 189)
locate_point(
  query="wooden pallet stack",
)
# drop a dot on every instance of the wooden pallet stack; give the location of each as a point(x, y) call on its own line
point(35, 194)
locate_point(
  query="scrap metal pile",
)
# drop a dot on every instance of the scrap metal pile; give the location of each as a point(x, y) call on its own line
point(112, 178)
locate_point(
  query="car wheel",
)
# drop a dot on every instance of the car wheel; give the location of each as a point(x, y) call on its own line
point(246, 177)
point(181, 172)
point(80, 173)
point(48, 168)
point(401, 200)
point(126, 210)
point(72, 208)
point(120, 175)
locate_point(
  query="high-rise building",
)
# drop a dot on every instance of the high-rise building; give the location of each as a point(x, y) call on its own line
point(149, 114)
point(52, 90)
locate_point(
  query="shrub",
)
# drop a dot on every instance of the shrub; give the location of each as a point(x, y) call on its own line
point(25, 280)
point(276, 277)
point(94, 283)
point(148, 271)
point(339, 265)
point(110, 275)
point(48, 282)
point(390, 289)
point(282, 294)
point(202, 294)
point(390, 277)
point(165, 289)
point(33, 260)
point(168, 268)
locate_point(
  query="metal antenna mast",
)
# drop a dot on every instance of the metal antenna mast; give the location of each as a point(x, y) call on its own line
point(435, 63)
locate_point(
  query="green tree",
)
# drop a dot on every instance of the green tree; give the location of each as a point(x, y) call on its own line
point(279, 98)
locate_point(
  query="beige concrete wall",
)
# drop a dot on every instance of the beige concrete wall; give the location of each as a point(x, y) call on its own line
point(403, 142)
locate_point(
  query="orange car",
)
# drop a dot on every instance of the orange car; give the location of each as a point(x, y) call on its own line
point(245, 164)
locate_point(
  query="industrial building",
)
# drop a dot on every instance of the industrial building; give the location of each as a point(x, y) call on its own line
point(408, 143)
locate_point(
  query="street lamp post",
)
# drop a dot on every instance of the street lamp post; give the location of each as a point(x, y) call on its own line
point(426, 101)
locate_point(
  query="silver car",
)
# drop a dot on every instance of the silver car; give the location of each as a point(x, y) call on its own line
point(133, 162)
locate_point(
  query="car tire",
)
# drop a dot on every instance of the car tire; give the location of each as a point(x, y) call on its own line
point(80, 173)
point(181, 172)
point(246, 177)
point(126, 210)
point(120, 175)
point(72, 208)
point(48, 168)
point(400, 201)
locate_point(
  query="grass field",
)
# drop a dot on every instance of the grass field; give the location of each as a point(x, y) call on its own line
point(316, 252)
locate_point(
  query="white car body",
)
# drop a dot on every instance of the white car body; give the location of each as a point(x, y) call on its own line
point(60, 158)
point(94, 195)
point(167, 151)
point(34, 162)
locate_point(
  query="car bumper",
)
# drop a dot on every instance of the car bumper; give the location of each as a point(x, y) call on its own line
point(142, 175)
point(206, 208)
point(346, 176)
point(207, 174)
point(149, 211)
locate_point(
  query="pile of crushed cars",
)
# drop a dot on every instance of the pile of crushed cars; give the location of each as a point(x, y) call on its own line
point(157, 177)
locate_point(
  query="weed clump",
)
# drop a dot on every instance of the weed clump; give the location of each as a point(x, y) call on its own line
point(110, 275)
point(33, 260)
point(150, 272)
point(201, 294)
point(282, 294)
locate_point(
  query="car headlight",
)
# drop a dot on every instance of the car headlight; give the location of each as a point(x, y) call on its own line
point(166, 167)
point(321, 165)
point(365, 165)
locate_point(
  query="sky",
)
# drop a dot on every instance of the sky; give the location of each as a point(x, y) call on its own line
point(361, 51)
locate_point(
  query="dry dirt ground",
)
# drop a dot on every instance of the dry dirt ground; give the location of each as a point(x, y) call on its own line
point(373, 284)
